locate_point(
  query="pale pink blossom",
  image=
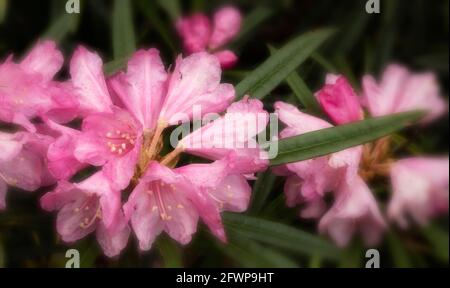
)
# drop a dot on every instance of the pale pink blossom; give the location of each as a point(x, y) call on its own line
point(401, 90)
point(339, 101)
point(223, 188)
point(233, 133)
point(354, 210)
point(162, 201)
point(89, 206)
point(309, 180)
point(420, 189)
point(199, 34)
point(23, 162)
point(28, 91)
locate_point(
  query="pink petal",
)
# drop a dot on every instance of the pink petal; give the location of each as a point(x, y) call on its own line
point(113, 242)
point(44, 59)
point(23, 95)
point(143, 87)
point(107, 136)
point(10, 145)
point(420, 189)
point(168, 206)
point(355, 209)
point(401, 90)
point(61, 161)
point(298, 121)
point(233, 132)
point(339, 100)
point(233, 193)
point(89, 81)
point(146, 225)
point(227, 23)
point(195, 32)
point(24, 171)
point(77, 216)
point(121, 170)
point(226, 58)
point(195, 82)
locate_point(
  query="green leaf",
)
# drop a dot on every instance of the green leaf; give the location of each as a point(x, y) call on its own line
point(3, 9)
point(250, 254)
point(281, 236)
point(170, 253)
point(115, 65)
point(63, 26)
point(123, 37)
point(438, 238)
point(399, 254)
point(172, 7)
point(148, 8)
point(334, 139)
point(251, 22)
point(301, 90)
point(274, 70)
point(261, 190)
point(303, 93)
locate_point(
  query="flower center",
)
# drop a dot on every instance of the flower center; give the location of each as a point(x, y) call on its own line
point(120, 142)
point(91, 211)
point(376, 159)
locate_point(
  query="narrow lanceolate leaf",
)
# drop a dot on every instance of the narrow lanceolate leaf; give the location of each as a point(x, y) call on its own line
point(63, 26)
point(301, 90)
point(281, 236)
point(275, 69)
point(3, 9)
point(172, 7)
point(261, 190)
point(148, 8)
point(115, 65)
point(330, 140)
point(124, 40)
point(303, 93)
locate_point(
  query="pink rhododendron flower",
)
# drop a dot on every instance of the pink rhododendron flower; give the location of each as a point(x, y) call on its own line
point(309, 180)
point(355, 209)
point(420, 189)
point(339, 100)
point(233, 132)
point(27, 90)
point(23, 162)
point(401, 90)
point(199, 34)
point(89, 206)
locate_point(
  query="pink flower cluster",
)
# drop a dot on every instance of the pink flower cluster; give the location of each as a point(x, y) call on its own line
point(139, 187)
point(123, 122)
point(420, 185)
point(199, 34)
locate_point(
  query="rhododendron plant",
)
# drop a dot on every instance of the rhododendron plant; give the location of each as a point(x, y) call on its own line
point(218, 134)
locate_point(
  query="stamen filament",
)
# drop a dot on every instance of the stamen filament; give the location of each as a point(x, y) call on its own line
point(151, 152)
point(171, 156)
